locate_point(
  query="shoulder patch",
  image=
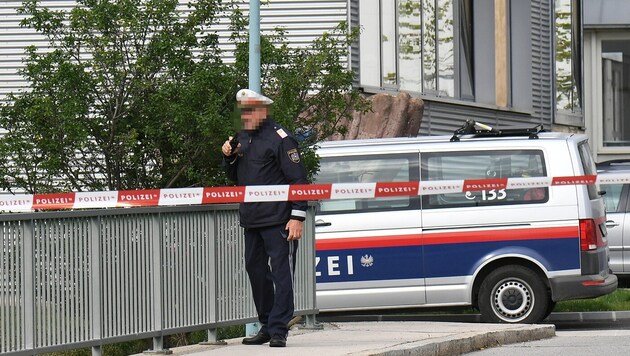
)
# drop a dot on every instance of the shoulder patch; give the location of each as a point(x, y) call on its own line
point(281, 133)
point(294, 156)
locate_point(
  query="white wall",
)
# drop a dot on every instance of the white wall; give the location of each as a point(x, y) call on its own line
point(303, 20)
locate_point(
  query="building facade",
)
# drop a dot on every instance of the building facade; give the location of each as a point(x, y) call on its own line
point(607, 77)
point(501, 62)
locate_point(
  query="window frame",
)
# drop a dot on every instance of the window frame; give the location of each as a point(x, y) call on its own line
point(594, 99)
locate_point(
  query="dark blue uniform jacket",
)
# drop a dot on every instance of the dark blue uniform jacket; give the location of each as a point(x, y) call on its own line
point(267, 156)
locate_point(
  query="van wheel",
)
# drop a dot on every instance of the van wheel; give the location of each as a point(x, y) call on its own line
point(513, 294)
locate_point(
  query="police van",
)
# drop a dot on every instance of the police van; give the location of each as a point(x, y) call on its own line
point(511, 253)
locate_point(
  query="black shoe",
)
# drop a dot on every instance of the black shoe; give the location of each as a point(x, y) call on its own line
point(278, 341)
point(258, 339)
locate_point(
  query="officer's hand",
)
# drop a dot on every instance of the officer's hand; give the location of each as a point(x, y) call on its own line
point(294, 227)
point(227, 148)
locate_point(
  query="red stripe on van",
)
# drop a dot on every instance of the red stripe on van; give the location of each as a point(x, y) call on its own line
point(563, 232)
point(365, 242)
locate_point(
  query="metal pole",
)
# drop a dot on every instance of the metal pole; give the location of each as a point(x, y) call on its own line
point(254, 84)
point(254, 45)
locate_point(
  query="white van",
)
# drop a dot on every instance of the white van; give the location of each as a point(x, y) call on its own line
point(512, 253)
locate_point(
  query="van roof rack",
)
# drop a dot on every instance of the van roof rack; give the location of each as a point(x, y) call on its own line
point(477, 129)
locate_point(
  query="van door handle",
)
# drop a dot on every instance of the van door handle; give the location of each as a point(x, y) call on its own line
point(320, 222)
point(611, 223)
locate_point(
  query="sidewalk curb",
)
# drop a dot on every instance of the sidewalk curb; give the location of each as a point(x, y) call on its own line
point(476, 318)
point(456, 345)
point(589, 316)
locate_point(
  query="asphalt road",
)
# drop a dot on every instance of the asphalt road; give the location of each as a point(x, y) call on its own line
point(575, 339)
point(599, 325)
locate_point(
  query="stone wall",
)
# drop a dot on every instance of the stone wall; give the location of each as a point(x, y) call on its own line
point(391, 116)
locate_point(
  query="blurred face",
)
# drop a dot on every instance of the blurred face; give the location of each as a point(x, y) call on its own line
point(252, 116)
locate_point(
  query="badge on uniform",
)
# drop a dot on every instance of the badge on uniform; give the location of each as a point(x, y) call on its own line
point(294, 155)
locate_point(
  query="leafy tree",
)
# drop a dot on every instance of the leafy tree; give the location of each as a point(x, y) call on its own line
point(311, 87)
point(133, 95)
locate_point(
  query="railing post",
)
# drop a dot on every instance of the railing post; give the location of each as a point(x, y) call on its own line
point(213, 337)
point(252, 328)
point(28, 268)
point(158, 308)
point(309, 230)
point(311, 323)
point(97, 350)
point(96, 312)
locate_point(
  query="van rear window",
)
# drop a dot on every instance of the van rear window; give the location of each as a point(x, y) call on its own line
point(588, 164)
point(369, 169)
point(484, 165)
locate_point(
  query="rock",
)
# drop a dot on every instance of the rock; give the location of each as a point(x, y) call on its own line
point(391, 116)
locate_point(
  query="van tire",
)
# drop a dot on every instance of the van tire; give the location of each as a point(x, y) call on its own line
point(513, 294)
point(550, 306)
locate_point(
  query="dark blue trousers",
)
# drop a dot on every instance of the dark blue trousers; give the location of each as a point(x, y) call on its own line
point(270, 263)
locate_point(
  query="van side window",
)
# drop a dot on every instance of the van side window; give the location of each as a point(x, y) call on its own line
point(484, 165)
point(369, 169)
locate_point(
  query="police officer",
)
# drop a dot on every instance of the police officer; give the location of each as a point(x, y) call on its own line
point(264, 153)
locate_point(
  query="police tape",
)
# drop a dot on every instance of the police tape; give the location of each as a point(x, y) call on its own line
point(269, 193)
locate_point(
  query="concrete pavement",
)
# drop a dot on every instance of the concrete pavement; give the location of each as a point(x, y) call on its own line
point(402, 334)
point(384, 338)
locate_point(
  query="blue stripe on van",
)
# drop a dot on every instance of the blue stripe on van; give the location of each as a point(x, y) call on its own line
point(443, 260)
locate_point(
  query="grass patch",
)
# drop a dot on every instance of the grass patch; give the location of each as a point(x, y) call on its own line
point(616, 301)
point(171, 341)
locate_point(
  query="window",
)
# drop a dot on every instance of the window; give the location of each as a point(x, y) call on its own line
point(588, 165)
point(438, 48)
point(410, 47)
point(389, 43)
point(616, 92)
point(484, 165)
point(568, 55)
point(370, 169)
point(612, 198)
point(425, 46)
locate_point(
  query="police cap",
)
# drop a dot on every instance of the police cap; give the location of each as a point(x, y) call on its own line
point(247, 97)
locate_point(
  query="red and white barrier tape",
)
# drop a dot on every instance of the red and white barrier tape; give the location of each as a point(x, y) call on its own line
point(266, 193)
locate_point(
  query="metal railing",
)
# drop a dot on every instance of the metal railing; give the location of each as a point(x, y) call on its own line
point(75, 279)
